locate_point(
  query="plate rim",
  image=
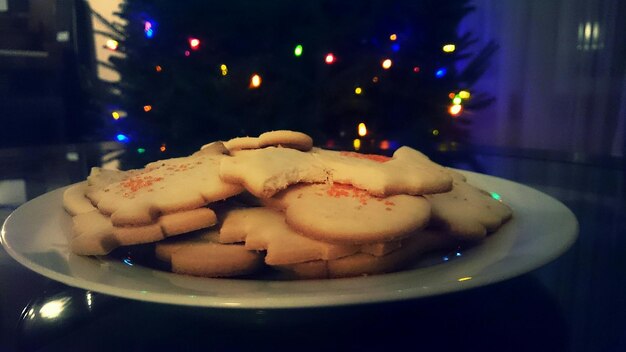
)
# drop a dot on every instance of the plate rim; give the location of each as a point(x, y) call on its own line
point(294, 302)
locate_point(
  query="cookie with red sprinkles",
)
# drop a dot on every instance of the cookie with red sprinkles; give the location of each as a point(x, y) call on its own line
point(344, 214)
point(406, 172)
point(164, 187)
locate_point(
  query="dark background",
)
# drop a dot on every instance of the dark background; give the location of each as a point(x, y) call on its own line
point(557, 78)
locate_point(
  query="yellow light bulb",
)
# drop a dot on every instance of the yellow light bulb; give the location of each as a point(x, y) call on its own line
point(464, 94)
point(387, 64)
point(255, 81)
point(362, 129)
point(356, 144)
point(448, 48)
point(358, 90)
point(455, 110)
point(393, 37)
point(112, 44)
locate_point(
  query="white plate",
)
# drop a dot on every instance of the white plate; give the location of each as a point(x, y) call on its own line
point(542, 229)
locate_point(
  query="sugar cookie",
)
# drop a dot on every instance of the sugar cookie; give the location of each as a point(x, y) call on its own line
point(201, 254)
point(74, 200)
point(213, 148)
point(163, 187)
point(344, 214)
point(283, 138)
point(466, 211)
point(263, 172)
point(286, 139)
point(407, 172)
point(239, 143)
point(365, 264)
point(265, 229)
point(100, 178)
point(94, 234)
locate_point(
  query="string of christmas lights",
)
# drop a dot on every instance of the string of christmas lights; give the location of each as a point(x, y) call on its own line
point(455, 109)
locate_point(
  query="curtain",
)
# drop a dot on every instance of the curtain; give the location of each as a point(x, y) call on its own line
point(558, 77)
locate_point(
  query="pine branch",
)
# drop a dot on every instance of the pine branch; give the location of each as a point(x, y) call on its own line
point(109, 34)
point(107, 65)
point(477, 67)
point(108, 24)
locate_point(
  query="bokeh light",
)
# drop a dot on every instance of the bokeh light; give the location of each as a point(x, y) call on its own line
point(449, 48)
point(194, 43)
point(387, 64)
point(362, 129)
point(330, 58)
point(112, 44)
point(255, 81)
point(297, 51)
point(455, 110)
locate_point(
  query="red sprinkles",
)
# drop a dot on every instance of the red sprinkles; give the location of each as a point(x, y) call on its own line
point(339, 190)
point(374, 157)
point(136, 183)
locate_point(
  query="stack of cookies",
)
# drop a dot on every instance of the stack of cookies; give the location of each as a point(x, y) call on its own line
point(237, 207)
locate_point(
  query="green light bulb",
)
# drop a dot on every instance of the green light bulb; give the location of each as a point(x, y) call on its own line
point(298, 50)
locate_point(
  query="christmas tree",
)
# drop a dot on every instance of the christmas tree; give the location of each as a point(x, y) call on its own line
point(369, 75)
